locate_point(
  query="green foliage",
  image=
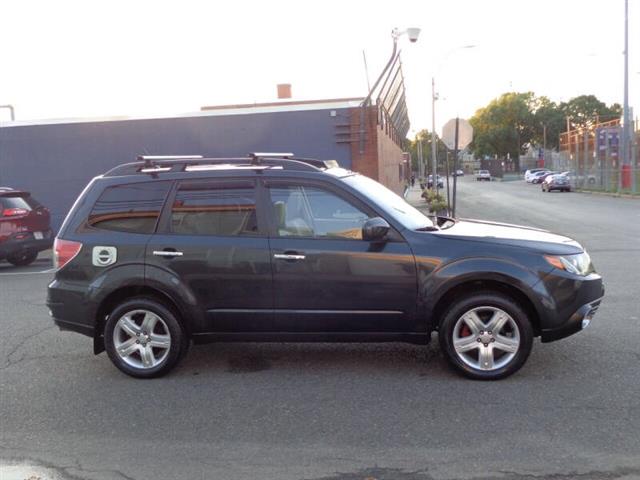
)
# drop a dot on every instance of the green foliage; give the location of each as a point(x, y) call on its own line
point(424, 136)
point(514, 121)
point(504, 126)
point(587, 110)
point(436, 201)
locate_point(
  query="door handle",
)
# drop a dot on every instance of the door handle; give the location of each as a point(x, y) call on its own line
point(167, 253)
point(289, 256)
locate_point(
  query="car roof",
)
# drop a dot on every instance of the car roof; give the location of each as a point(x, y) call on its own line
point(12, 192)
point(157, 165)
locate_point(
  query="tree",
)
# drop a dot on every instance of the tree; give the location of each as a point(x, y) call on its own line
point(505, 126)
point(587, 110)
point(551, 117)
point(424, 136)
point(514, 121)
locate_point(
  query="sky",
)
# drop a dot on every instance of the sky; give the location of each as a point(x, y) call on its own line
point(68, 59)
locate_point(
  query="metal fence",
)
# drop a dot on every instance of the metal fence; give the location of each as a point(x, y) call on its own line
point(594, 168)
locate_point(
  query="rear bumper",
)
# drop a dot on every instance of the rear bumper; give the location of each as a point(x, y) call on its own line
point(70, 308)
point(13, 244)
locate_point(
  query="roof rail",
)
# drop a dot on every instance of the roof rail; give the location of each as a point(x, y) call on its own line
point(150, 159)
point(153, 164)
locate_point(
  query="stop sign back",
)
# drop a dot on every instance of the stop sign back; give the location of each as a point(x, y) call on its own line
point(465, 134)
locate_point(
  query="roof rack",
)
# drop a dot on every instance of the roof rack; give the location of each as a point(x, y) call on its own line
point(154, 164)
point(150, 159)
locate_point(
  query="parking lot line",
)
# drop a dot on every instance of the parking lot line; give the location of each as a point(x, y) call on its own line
point(50, 270)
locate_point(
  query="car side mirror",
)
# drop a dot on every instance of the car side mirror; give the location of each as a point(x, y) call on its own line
point(375, 229)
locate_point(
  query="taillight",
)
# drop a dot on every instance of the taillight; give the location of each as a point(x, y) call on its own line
point(64, 251)
point(14, 212)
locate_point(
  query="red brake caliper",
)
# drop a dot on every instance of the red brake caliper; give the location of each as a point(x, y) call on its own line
point(465, 331)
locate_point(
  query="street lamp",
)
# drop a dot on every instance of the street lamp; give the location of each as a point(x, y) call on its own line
point(434, 97)
point(11, 111)
point(413, 34)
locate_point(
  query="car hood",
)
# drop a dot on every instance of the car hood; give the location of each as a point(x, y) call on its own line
point(515, 235)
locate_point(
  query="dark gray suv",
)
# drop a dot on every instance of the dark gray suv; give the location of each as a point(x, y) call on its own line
point(160, 253)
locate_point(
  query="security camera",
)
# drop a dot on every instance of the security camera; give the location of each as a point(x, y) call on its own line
point(413, 34)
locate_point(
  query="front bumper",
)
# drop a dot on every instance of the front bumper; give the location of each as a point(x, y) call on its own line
point(577, 322)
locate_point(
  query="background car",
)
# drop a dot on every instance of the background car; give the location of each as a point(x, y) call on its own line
point(540, 176)
point(439, 180)
point(459, 173)
point(556, 182)
point(588, 179)
point(528, 175)
point(24, 227)
point(483, 175)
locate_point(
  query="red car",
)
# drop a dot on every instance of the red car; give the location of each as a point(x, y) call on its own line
point(24, 227)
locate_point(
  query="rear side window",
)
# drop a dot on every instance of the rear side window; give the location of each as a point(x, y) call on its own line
point(132, 208)
point(215, 208)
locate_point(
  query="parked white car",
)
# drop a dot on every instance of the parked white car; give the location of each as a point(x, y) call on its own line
point(483, 175)
point(528, 175)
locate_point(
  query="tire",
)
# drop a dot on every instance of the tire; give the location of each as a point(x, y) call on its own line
point(126, 324)
point(515, 334)
point(22, 258)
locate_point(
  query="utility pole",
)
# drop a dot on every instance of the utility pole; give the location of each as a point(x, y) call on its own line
point(420, 163)
point(625, 164)
point(434, 160)
point(544, 144)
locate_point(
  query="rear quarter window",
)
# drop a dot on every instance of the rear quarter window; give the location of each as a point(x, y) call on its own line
point(132, 208)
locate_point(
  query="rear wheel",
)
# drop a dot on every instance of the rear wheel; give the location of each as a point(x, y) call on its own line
point(144, 339)
point(22, 258)
point(486, 336)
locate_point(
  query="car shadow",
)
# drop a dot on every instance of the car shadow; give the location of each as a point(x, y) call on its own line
point(313, 358)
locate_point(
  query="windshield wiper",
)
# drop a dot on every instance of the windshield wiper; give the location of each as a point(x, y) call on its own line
point(428, 228)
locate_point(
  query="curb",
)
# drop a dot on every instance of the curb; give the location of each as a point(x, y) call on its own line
point(607, 194)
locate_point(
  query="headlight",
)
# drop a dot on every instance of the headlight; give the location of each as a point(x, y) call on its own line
point(579, 264)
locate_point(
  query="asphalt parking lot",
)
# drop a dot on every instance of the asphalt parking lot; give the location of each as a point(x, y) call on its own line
point(340, 412)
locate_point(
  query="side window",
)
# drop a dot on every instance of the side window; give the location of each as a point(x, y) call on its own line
point(132, 208)
point(313, 212)
point(220, 208)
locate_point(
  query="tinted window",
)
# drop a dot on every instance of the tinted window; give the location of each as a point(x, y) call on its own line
point(226, 209)
point(134, 207)
point(313, 212)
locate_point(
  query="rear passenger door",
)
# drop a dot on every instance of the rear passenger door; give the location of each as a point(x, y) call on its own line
point(211, 240)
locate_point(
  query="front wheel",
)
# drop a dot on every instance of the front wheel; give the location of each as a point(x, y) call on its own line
point(486, 336)
point(143, 338)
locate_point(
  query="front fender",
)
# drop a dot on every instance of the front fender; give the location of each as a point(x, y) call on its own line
point(434, 286)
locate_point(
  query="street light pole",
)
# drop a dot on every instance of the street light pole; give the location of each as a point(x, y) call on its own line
point(434, 97)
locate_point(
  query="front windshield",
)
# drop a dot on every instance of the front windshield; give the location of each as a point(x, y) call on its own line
point(391, 203)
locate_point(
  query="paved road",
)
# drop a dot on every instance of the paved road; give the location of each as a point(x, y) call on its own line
point(341, 412)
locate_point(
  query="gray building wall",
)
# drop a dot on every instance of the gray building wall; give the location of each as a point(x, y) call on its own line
point(56, 161)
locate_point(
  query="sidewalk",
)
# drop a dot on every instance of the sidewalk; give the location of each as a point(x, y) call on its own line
point(413, 197)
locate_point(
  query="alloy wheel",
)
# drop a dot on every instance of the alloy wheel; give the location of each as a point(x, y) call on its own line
point(486, 338)
point(141, 339)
